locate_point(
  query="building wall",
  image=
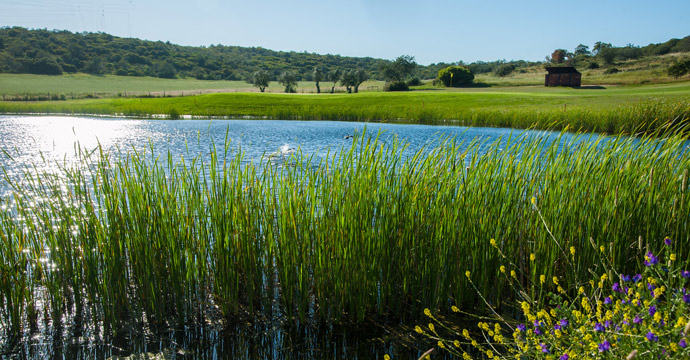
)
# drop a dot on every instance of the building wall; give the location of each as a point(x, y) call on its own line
point(570, 79)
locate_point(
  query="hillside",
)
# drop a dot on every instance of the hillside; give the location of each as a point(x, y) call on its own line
point(57, 52)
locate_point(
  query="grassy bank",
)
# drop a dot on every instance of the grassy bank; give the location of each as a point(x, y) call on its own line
point(370, 232)
point(18, 86)
point(611, 110)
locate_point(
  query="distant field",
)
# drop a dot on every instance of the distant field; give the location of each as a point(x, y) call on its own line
point(609, 109)
point(114, 86)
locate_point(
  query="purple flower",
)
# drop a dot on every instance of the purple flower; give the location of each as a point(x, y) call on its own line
point(686, 298)
point(667, 241)
point(607, 300)
point(685, 274)
point(616, 287)
point(605, 346)
point(537, 331)
point(682, 343)
point(607, 323)
point(637, 320)
point(652, 310)
point(652, 336)
point(544, 349)
point(624, 301)
point(522, 327)
point(626, 277)
point(557, 327)
point(637, 278)
point(598, 327)
point(565, 356)
point(564, 322)
point(651, 259)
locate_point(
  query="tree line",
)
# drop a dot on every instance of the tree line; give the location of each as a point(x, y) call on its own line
point(55, 52)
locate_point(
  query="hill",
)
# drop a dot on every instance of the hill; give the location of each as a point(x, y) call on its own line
point(54, 52)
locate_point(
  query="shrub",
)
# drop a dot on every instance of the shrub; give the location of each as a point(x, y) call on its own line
point(456, 76)
point(593, 65)
point(504, 70)
point(679, 69)
point(415, 81)
point(396, 86)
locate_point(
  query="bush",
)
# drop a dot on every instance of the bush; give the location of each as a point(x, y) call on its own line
point(679, 69)
point(504, 70)
point(456, 76)
point(415, 81)
point(593, 65)
point(396, 86)
point(612, 70)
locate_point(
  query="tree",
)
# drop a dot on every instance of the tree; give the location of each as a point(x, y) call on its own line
point(598, 46)
point(334, 76)
point(348, 80)
point(289, 80)
point(456, 76)
point(398, 70)
point(608, 54)
point(359, 76)
point(260, 79)
point(317, 76)
point(558, 56)
point(582, 50)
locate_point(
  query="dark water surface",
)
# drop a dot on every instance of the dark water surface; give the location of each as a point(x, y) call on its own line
point(50, 140)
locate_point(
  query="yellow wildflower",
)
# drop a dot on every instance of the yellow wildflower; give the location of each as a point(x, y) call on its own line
point(455, 308)
point(493, 242)
point(555, 280)
point(572, 250)
point(673, 257)
point(513, 274)
point(532, 257)
point(503, 269)
point(542, 279)
point(467, 273)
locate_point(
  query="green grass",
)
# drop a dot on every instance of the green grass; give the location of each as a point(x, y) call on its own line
point(80, 85)
point(612, 110)
point(368, 232)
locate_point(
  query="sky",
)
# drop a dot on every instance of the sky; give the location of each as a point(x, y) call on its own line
point(430, 30)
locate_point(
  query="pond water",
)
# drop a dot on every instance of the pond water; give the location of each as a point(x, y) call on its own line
point(49, 140)
point(55, 139)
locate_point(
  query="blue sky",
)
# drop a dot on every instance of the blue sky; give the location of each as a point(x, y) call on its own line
point(431, 31)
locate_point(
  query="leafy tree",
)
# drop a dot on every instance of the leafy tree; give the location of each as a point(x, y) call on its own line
point(359, 76)
point(558, 56)
point(400, 69)
point(289, 80)
point(260, 79)
point(456, 76)
point(334, 76)
point(598, 46)
point(582, 50)
point(348, 80)
point(94, 66)
point(317, 75)
point(608, 54)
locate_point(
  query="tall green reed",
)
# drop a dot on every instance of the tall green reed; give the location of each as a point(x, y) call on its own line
point(369, 230)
